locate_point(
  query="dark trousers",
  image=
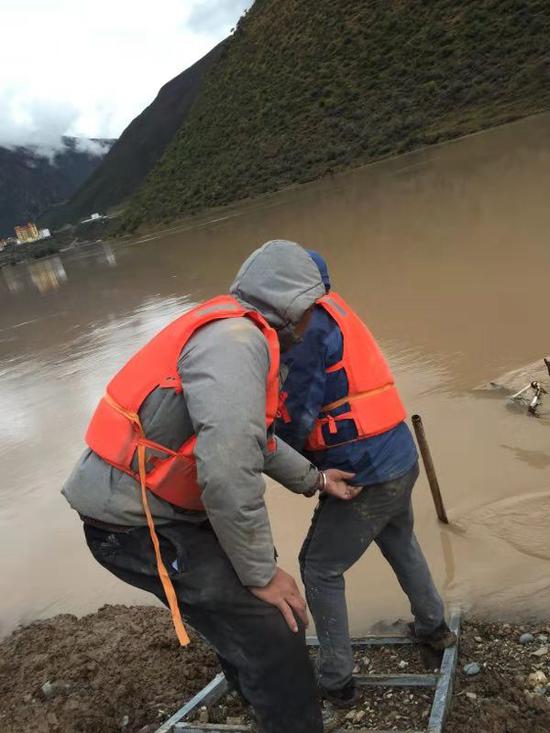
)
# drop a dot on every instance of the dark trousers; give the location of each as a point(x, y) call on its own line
point(340, 534)
point(261, 656)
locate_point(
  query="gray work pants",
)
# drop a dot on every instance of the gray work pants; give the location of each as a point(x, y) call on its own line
point(339, 535)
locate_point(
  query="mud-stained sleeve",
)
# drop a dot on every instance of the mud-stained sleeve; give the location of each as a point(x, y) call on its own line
point(224, 369)
point(290, 468)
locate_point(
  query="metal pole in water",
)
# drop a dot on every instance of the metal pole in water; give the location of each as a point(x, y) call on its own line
point(430, 470)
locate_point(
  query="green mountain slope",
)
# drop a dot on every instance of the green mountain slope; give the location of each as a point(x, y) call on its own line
point(305, 87)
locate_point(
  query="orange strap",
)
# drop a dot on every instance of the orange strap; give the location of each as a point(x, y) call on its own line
point(335, 367)
point(161, 569)
point(163, 573)
point(353, 398)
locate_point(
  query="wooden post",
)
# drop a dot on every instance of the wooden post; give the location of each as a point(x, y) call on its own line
point(430, 470)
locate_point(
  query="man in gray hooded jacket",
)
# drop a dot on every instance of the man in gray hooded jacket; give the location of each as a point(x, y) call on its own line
point(222, 561)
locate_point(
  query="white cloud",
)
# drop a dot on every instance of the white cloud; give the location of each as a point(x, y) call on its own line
point(87, 68)
point(34, 122)
point(208, 15)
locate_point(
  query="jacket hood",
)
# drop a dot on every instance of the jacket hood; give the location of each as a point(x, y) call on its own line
point(280, 280)
point(323, 267)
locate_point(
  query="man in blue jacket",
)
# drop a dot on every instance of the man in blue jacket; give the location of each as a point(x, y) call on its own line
point(384, 463)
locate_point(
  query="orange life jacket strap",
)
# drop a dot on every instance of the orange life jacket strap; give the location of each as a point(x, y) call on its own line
point(161, 568)
point(335, 367)
point(131, 416)
point(354, 398)
point(165, 579)
point(282, 411)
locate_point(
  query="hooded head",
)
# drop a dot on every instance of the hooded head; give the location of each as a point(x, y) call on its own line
point(322, 266)
point(281, 281)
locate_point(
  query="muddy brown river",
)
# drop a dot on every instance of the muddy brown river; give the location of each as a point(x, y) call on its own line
point(445, 253)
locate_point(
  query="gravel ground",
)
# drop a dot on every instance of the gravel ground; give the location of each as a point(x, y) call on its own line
point(121, 669)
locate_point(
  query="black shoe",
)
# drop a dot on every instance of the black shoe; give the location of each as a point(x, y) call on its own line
point(345, 697)
point(439, 639)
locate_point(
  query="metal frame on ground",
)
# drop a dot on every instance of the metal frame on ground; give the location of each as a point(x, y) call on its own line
point(441, 681)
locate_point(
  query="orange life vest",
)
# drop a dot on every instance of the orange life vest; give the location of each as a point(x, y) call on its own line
point(116, 434)
point(373, 402)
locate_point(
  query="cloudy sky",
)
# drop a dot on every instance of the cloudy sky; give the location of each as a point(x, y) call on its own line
point(88, 67)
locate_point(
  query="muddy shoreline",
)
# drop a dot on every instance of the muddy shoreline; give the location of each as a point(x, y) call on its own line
point(121, 669)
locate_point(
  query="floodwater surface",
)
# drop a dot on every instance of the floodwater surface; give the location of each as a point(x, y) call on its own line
point(445, 253)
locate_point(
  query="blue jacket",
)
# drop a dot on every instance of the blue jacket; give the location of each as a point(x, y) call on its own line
point(374, 460)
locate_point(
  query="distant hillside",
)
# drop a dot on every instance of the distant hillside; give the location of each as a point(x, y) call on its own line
point(306, 87)
point(31, 182)
point(139, 147)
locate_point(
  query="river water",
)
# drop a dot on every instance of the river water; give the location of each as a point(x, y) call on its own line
point(444, 252)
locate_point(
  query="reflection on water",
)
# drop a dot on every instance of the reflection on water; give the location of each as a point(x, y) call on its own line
point(50, 273)
point(449, 558)
point(47, 274)
point(428, 249)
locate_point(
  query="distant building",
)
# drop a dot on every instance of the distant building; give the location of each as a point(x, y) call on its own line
point(3, 243)
point(27, 233)
point(93, 217)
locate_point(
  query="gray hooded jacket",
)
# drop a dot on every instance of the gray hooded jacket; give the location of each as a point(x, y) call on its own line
point(223, 368)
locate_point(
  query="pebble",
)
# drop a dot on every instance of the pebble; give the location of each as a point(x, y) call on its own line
point(472, 669)
point(50, 689)
point(542, 638)
point(536, 679)
point(471, 696)
point(234, 720)
point(124, 722)
point(540, 652)
point(526, 638)
point(47, 689)
point(478, 639)
point(402, 664)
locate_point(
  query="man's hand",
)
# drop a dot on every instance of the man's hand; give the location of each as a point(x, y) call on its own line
point(336, 484)
point(282, 592)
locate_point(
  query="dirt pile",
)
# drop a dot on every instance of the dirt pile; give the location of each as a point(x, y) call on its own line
point(121, 669)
